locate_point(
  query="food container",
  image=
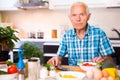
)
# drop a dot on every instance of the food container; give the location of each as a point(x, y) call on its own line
point(54, 33)
point(8, 76)
point(32, 69)
point(70, 75)
point(88, 66)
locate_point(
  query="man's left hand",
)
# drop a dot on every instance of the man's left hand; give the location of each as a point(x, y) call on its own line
point(98, 59)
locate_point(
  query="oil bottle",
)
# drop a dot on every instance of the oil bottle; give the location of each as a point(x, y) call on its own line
point(20, 65)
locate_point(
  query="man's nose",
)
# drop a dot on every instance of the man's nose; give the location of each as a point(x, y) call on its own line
point(78, 17)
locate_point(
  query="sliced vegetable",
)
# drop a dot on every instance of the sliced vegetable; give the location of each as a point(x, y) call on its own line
point(87, 64)
point(3, 72)
point(60, 75)
point(99, 64)
point(48, 66)
point(68, 76)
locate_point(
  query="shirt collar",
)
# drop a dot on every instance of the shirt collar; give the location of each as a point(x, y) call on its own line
point(89, 29)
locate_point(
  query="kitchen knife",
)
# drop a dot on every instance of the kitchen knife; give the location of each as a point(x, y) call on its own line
point(63, 69)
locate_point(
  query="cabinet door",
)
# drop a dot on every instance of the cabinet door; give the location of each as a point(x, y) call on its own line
point(94, 3)
point(113, 3)
point(8, 4)
point(65, 4)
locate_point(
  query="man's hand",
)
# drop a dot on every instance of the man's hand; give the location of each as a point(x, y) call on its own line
point(55, 61)
point(102, 59)
point(97, 59)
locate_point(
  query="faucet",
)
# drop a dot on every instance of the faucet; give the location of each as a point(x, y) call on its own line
point(117, 31)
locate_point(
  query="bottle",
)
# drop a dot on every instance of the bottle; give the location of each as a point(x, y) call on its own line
point(32, 69)
point(20, 65)
point(54, 33)
point(52, 72)
point(43, 73)
point(21, 74)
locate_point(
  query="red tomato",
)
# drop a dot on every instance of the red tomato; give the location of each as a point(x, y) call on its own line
point(87, 64)
point(12, 69)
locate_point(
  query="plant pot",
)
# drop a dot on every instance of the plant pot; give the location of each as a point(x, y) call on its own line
point(4, 55)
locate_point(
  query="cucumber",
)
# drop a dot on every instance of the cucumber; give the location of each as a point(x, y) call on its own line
point(3, 72)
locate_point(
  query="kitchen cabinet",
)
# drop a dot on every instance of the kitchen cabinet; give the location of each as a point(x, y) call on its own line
point(8, 5)
point(65, 4)
point(113, 3)
point(116, 55)
point(50, 49)
point(116, 45)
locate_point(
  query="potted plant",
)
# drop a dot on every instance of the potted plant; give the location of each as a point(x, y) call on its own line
point(32, 50)
point(7, 39)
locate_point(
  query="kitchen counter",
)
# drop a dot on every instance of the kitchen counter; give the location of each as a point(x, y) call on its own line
point(41, 40)
point(115, 43)
point(19, 43)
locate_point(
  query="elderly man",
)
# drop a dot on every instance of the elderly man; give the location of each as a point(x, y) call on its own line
point(83, 42)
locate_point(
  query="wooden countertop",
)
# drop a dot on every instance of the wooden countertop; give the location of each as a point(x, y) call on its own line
point(73, 68)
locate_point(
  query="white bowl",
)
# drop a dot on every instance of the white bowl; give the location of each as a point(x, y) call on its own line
point(8, 76)
point(88, 67)
point(77, 75)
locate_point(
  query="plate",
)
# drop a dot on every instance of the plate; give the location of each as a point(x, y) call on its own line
point(88, 65)
point(7, 76)
point(3, 65)
point(70, 75)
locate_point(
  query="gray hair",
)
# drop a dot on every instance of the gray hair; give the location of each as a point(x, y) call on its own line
point(80, 3)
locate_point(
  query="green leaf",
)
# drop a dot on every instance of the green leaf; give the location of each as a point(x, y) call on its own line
point(99, 64)
point(60, 75)
point(9, 62)
point(48, 66)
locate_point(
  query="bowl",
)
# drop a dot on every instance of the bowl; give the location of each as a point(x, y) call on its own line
point(88, 65)
point(7, 76)
point(70, 75)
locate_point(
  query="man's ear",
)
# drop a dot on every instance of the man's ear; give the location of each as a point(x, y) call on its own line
point(89, 15)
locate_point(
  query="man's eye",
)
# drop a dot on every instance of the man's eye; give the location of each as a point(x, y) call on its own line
point(73, 15)
point(82, 14)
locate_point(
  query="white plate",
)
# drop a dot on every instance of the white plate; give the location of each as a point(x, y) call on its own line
point(7, 76)
point(78, 75)
point(3, 66)
point(87, 67)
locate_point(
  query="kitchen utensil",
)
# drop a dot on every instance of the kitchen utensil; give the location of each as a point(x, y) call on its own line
point(62, 68)
point(70, 75)
point(54, 33)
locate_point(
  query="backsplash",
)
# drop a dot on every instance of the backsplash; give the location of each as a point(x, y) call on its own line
point(45, 20)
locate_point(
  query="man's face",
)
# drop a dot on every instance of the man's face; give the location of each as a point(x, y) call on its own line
point(79, 17)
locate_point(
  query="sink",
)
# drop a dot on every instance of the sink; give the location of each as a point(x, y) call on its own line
point(114, 38)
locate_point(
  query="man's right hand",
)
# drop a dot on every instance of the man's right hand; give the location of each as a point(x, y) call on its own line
point(55, 61)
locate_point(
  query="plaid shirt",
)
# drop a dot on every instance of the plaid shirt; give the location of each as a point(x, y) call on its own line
point(95, 43)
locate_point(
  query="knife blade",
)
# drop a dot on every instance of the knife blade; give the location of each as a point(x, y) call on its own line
point(63, 69)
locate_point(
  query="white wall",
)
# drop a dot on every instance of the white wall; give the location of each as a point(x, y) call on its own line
point(46, 20)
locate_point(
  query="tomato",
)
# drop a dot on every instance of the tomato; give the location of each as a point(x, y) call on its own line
point(87, 64)
point(12, 69)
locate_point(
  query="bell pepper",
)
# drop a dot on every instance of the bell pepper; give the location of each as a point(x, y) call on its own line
point(112, 72)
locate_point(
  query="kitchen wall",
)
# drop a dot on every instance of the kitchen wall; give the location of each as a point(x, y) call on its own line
point(45, 20)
